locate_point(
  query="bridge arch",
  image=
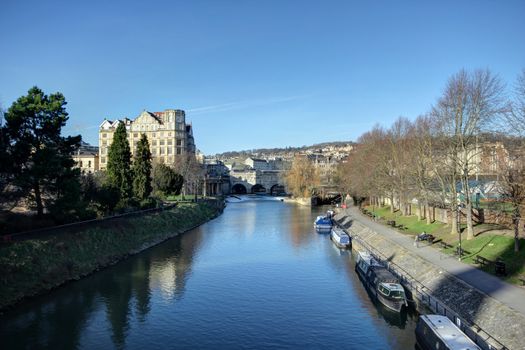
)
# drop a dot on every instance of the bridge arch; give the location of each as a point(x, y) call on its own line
point(258, 188)
point(239, 189)
point(277, 190)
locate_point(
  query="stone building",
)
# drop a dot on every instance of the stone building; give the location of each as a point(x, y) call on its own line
point(86, 158)
point(168, 135)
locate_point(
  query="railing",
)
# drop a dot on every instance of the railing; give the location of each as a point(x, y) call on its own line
point(424, 295)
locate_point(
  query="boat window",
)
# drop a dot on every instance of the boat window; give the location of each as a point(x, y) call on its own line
point(383, 290)
point(397, 294)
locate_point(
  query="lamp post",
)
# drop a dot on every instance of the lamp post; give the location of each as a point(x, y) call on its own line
point(460, 252)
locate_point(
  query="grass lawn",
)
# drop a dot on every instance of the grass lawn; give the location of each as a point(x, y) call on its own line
point(412, 224)
point(492, 247)
point(486, 243)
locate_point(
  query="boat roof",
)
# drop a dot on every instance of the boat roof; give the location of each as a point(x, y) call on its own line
point(393, 286)
point(339, 232)
point(368, 258)
point(384, 275)
point(449, 333)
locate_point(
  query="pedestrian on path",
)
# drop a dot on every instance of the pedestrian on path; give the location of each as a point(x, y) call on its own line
point(416, 240)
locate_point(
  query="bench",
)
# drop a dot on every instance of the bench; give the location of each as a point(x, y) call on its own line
point(482, 261)
point(500, 268)
point(460, 252)
point(444, 244)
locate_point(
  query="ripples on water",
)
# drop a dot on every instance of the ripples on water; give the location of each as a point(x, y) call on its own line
point(257, 277)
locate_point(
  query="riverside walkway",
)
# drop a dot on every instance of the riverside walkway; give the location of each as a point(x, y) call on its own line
point(508, 294)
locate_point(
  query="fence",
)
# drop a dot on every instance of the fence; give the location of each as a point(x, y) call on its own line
point(423, 296)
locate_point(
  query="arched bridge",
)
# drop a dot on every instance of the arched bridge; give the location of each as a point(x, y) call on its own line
point(257, 181)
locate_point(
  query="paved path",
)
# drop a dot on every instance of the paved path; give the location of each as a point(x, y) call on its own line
point(506, 293)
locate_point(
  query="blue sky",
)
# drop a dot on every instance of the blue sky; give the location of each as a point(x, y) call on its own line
point(249, 73)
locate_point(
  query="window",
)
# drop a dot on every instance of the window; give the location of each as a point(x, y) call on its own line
point(104, 143)
point(161, 142)
point(170, 150)
point(179, 150)
point(154, 142)
point(135, 135)
point(104, 135)
point(154, 152)
point(80, 162)
point(170, 142)
point(89, 164)
point(103, 159)
point(161, 150)
point(179, 142)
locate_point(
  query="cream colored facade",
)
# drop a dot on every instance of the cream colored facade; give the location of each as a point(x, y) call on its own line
point(86, 161)
point(168, 135)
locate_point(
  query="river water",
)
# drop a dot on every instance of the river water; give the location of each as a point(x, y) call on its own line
point(256, 277)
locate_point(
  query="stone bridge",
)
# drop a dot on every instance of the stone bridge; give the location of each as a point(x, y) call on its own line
point(256, 181)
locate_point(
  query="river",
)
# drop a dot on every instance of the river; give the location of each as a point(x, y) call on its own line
point(256, 277)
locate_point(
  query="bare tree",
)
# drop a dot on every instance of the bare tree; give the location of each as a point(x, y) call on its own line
point(422, 142)
point(515, 116)
point(470, 104)
point(512, 185)
point(192, 172)
point(303, 177)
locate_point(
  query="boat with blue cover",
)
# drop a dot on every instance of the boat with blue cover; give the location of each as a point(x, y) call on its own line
point(323, 222)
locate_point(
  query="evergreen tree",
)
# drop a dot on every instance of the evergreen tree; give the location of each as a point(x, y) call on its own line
point(40, 164)
point(166, 180)
point(119, 163)
point(142, 169)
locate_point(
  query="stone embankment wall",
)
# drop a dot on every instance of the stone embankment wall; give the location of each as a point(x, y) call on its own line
point(442, 292)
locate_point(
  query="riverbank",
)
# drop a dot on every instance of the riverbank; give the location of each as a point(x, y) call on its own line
point(35, 266)
point(306, 201)
point(445, 281)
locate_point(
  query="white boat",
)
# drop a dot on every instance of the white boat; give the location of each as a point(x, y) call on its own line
point(340, 238)
point(323, 223)
point(380, 282)
point(439, 332)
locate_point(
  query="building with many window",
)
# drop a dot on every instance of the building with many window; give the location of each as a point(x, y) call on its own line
point(168, 135)
point(86, 158)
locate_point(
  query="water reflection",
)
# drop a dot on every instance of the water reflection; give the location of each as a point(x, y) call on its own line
point(259, 276)
point(57, 320)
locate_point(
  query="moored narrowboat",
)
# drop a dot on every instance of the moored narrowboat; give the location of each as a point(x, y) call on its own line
point(439, 332)
point(380, 282)
point(340, 238)
point(323, 223)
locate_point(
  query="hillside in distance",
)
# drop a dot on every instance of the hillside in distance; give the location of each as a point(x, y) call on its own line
point(283, 151)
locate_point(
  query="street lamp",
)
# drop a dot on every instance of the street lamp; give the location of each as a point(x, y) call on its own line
point(459, 230)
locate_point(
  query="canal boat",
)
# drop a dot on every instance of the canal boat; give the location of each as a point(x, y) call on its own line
point(380, 282)
point(340, 238)
point(323, 222)
point(439, 332)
